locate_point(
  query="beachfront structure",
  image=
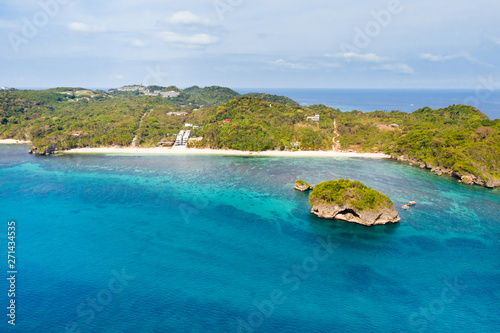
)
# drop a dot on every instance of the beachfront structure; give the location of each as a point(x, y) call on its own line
point(182, 138)
point(315, 118)
point(178, 141)
point(185, 138)
point(165, 142)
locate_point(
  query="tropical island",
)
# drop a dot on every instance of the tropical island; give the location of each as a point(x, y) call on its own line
point(459, 140)
point(352, 201)
point(302, 186)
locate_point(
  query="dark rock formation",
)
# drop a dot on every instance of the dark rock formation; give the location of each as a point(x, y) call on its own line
point(50, 150)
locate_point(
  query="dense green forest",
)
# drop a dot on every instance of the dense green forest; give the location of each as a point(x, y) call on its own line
point(458, 138)
point(353, 193)
point(210, 96)
point(275, 99)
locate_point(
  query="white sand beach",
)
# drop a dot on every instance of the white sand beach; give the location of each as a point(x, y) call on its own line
point(12, 141)
point(197, 151)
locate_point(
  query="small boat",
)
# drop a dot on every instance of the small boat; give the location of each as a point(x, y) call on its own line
point(408, 205)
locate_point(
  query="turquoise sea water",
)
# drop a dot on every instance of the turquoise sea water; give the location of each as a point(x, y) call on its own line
point(224, 244)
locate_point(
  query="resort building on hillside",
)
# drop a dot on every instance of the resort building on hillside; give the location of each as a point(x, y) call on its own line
point(177, 113)
point(315, 118)
point(163, 94)
point(167, 94)
point(132, 88)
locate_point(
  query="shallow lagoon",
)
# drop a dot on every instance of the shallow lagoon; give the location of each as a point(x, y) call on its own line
point(224, 244)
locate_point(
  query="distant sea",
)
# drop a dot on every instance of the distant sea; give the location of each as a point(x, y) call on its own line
point(366, 100)
point(187, 244)
point(406, 100)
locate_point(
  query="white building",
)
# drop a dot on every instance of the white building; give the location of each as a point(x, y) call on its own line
point(185, 138)
point(132, 88)
point(315, 118)
point(172, 94)
point(178, 141)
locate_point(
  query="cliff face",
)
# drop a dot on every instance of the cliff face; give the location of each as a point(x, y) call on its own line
point(347, 213)
point(352, 201)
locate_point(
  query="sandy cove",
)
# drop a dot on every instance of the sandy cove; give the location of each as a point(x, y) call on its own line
point(13, 141)
point(198, 151)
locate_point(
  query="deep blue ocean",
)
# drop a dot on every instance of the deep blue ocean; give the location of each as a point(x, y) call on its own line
point(224, 244)
point(406, 100)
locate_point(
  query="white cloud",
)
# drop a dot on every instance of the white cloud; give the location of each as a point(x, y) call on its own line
point(119, 77)
point(82, 27)
point(368, 57)
point(138, 43)
point(186, 17)
point(438, 57)
point(463, 55)
point(197, 39)
point(399, 68)
point(284, 63)
point(496, 40)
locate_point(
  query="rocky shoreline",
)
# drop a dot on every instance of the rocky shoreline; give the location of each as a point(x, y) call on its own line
point(468, 179)
point(49, 151)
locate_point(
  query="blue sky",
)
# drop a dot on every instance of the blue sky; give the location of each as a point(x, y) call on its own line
point(243, 43)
